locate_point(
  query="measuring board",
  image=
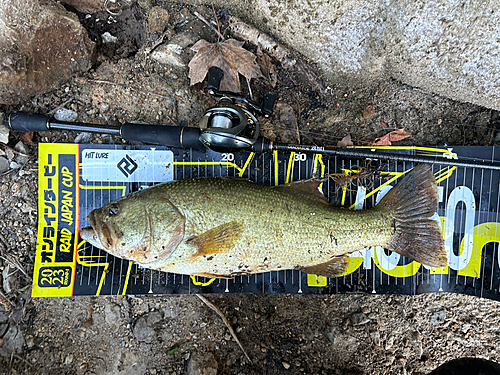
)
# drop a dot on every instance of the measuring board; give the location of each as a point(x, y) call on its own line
point(74, 179)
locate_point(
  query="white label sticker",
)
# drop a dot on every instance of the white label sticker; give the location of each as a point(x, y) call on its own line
point(127, 165)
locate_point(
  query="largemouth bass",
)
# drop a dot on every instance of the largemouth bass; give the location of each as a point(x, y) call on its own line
point(222, 227)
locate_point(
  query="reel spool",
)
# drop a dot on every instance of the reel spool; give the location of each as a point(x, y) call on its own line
point(231, 125)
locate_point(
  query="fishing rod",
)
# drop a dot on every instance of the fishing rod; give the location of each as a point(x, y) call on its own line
point(230, 126)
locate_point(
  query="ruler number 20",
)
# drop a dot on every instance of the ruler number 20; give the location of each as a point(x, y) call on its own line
point(299, 157)
point(227, 157)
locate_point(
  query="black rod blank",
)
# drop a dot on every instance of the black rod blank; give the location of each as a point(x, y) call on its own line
point(356, 153)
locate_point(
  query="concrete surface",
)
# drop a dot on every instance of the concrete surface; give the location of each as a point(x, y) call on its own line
point(448, 47)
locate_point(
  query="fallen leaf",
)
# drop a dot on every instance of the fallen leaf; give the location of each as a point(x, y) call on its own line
point(393, 136)
point(27, 138)
point(383, 124)
point(229, 56)
point(266, 66)
point(346, 141)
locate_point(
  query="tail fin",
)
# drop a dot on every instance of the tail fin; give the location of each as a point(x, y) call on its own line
point(411, 203)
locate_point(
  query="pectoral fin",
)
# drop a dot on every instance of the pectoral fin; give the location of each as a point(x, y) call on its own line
point(335, 267)
point(218, 240)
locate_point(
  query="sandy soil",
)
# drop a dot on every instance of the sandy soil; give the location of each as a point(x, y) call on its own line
point(339, 334)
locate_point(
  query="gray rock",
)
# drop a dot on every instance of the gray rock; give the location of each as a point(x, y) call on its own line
point(146, 4)
point(358, 319)
point(112, 315)
point(13, 341)
point(202, 364)
point(448, 47)
point(144, 327)
point(438, 318)
point(158, 19)
point(83, 137)
point(10, 154)
point(375, 336)
point(4, 317)
point(4, 323)
point(169, 55)
point(108, 38)
point(9, 278)
point(4, 165)
point(184, 39)
point(330, 333)
point(21, 148)
point(496, 140)
point(64, 114)
point(42, 45)
point(14, 165)
point(125, 362)
point(4, 130)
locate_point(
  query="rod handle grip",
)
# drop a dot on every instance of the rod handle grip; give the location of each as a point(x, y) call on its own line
point(27, 122)
point(171, 136)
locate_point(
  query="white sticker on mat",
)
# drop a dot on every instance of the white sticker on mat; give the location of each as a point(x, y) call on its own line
point(127, 165)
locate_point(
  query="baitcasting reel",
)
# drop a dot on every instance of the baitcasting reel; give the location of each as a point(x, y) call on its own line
point(231, 125)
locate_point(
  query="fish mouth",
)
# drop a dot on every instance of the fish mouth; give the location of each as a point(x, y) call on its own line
point(88, 234)
point(91, 234)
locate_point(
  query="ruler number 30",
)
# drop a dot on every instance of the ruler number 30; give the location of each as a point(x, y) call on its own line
point(299, 157)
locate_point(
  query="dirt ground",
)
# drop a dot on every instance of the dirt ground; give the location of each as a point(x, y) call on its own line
point(338, 334)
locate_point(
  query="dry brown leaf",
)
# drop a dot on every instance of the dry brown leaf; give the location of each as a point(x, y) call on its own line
point(346, 141)
point(229, 56)
point(266, 66)
point(27, 138)
point(393, 136)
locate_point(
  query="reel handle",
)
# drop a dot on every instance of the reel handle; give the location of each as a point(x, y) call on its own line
point(215, 75)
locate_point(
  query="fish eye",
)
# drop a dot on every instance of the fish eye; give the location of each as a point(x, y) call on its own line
point(113, 210)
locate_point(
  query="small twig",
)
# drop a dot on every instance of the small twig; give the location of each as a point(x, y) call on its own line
point(15, 169)
point(14, 150)
point(158, 42)
point(226, 322)
point(218, 26)
point(202, 19)
point(22, 359)
point(50, 113)
point(8, 300)
point(249, 88)
point(253, 35)
point(135, 89)
point(16, 265)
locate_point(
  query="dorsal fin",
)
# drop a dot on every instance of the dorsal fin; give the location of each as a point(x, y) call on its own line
point(308, 188)
point(335, 267)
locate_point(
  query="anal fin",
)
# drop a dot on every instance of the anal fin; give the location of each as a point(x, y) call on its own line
point(335, 267)
point(218, 240)
point(212, 275)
